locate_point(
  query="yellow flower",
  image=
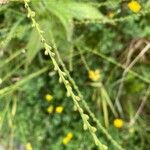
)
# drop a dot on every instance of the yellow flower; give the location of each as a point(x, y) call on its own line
point(118, 123)
point(94, 75)
point(50, 109)
point(68, 138)
point(59, 109)
point(48, 97)
point(111, 14)
point(70, 135)
point(65, 141)
point(134, 6)
point(28, 146)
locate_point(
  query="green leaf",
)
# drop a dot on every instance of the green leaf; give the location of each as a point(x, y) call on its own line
point(68, 10)
point(83, 11)
point(33, 46)
point(59, 10)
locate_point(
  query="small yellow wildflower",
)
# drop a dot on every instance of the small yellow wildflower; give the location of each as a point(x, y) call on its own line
point(65, 141)
point(134, 6)
point(59, 109)
point(48, 97)
point(68, 138)
point(111, 14)
point(50, 109)
point(94, 75)
point(118, 123)
point(70, 135)
point(28, 146)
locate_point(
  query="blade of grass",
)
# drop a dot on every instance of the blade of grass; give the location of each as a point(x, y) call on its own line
point(13, 87)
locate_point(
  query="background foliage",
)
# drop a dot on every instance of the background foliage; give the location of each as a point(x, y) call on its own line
point(104, 35)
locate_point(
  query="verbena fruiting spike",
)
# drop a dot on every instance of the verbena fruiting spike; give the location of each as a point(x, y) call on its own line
point(86, 116)
point(78, 98)
point(61, 74)
point(85, 126)
point(93, 129)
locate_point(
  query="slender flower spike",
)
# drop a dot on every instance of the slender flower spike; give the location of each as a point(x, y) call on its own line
point(48, 97)
point(118, 123)
point(28, 146)
point(134, 6)
point(68, 138)
point(59, 109)
point(94, 75)
point(50, 109)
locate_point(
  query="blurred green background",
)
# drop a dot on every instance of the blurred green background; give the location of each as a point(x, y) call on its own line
point(103, 45)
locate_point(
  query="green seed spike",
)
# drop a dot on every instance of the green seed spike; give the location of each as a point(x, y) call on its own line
point(59, 70)
point(78, 98)
point(86, 116)
point(68, 93)
point(85, 126)
point(52, 54)
point(75, 108)
point(42, 39)
point(60, 80)
point(65, 75)
point(67, 82)
point(46, 45)
point(41, 31)
point(81, 110)
point(55, 68)
point(33, 25)
point(46, 52)
point(32, 13)
point(93, 129)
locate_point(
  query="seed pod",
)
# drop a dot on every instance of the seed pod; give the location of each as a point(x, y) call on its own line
point(77, 98)
point(60, 80)
point(46, 52)
point(86, 116)
point(85, 127)
point(93, 129)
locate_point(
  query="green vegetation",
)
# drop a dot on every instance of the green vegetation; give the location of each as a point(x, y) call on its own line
point(74, 74)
